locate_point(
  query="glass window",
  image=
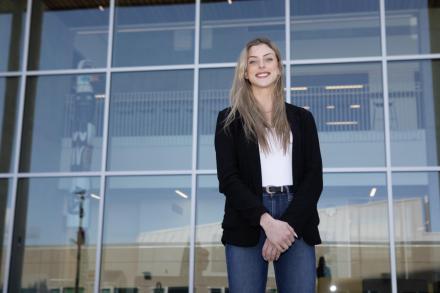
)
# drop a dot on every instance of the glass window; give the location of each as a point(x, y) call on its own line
point(414, 93)
point(151, 120)
point(226, 27)
point(347, 103)
point(55, 230)
point(417, 230)
point(210, 263)
point(344, 28)
point(214, 86)
point(62, 127)
point(5, 212)
point(210, 260)
point(153, 33)
point(146, 233)
point(68, 34)
point(412, 26)
point(12, 22)
point(354, 256)
point(8, 113)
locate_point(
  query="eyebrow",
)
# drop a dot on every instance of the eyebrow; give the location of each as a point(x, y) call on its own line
point(257, 56)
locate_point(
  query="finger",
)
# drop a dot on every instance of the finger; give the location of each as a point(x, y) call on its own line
point(263, 251)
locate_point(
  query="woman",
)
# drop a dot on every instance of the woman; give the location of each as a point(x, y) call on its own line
point(270, 170)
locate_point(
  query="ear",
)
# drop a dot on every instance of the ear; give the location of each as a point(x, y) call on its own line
point(245, 75)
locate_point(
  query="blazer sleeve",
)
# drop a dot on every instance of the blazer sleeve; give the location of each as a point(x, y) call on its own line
point(237, 193)
point(305, 200)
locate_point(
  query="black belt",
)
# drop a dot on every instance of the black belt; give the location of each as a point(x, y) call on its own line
point(270, 189)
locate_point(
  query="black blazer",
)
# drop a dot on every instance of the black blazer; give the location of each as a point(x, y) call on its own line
point(239, 175)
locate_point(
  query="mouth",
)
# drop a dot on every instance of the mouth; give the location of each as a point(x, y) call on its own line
point(262, 75)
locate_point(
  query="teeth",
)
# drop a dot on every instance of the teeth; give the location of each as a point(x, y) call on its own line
point(262, 74)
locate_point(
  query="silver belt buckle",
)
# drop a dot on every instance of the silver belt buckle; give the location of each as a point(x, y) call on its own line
point(266, 188)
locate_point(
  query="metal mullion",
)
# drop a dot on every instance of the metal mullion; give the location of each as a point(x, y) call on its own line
point(336, 60)
point(57, 174)
point(65, 71)
point(10, 74)
point(143, 173)
point(218, 65)
point(104, 149)
point(416, 169)
point(152, 68)
point(6, 175)
point(19, 128)
point(391, 233)
point(194, 148)
point(288, 57)
point(413, 57)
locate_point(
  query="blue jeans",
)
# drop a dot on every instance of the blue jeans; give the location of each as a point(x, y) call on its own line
point(294, 271)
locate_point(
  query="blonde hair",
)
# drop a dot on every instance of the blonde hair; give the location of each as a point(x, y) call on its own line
point(244, 102)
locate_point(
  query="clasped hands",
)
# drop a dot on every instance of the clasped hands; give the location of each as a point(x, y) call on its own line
point(279, 237)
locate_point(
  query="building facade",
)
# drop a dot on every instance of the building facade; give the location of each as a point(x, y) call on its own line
point(107, 115)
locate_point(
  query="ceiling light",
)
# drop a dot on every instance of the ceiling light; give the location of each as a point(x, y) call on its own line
point(355, 106)
point(330, 107)
point(181, 194)
point(341, 123)
point(373, 191)
point(344, 87)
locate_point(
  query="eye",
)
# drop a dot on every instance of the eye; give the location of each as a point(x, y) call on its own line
point(252, 62)
point(269, 59)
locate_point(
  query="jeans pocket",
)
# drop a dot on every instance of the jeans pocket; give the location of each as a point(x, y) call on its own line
point(289, 197)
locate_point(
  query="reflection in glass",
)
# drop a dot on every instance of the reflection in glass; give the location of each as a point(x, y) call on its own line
point(417, 230)
point(62, 128)
point(414, 118)
point(147, 33)
point(226, 27)
point(151, 120)
point(347, 103)
point(12, 20)
point(344, 28)
point(8, 113)
point(5, 212)
point(55, 228)
point(412, 26)
point(353, 209)
point(214, 86)
point(146, 233)
point(68, 34)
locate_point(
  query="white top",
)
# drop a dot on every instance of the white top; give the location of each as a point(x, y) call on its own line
point(276, 167)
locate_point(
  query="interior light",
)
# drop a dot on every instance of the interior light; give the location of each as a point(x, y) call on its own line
point(299, 88)
point(344, 87)
point(373, 191)
point(333, 288)
point(95, 196)
point(330, 107)
point(355, 106)
point(181, 193)
point(341, 123)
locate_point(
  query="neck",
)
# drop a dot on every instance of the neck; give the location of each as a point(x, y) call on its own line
point(264, 97)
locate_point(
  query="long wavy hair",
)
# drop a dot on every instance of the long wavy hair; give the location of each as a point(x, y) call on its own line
point(243, 101)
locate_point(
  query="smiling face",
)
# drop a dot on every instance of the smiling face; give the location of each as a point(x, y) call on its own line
point(262, 66)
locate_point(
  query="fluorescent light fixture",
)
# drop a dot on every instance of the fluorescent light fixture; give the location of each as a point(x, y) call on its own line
point(306, 107)
point(181, 193)
point(355, 106)
point(299, 88)
point(230, 1)
point(373, 191)
point(344, 87)
point(330, 107)
point(333, 288)
point(100, 96)
point(101, 8)
point(341, 123)
point(95, 196)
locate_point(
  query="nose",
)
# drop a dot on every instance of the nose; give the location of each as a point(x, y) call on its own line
point(261, 64)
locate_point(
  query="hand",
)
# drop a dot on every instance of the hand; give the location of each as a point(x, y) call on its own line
point(269, 252)
point(278, 232)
